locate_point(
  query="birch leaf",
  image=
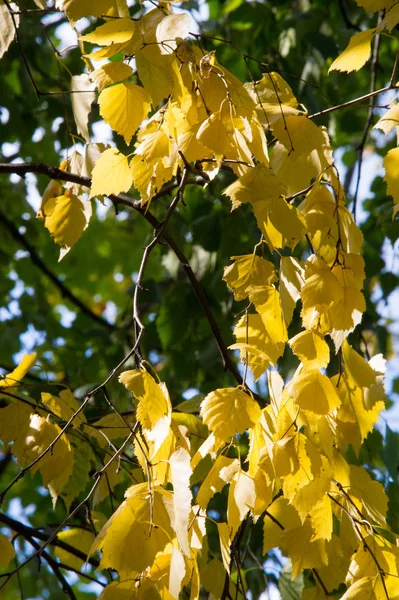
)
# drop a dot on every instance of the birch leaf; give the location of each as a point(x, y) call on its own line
point(311, 349)
point(124, 107)
point(111, 174)
point(248, 270)
point(172, 27)
point(64, 406)
point(314, 392)
point(116, 31)
point(391, 178)
point(229, 411)
point(182, 496)
point(112, 72)
point(356, 54)
point(7, 551)
point(68, 219)
point(82, 97)
point(7, 28)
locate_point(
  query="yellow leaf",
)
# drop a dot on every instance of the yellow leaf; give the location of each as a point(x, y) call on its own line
point(82, 97)
point(274, 98)
point(156, 75)
point(321, 286)
point(81, 539)
point(13, 379)
point(374, 5)
point(177, 573)
point(213, 577)
point(363, 589)
point(14, 423)
point(248, 270)
point(241, 499)
point(76, 9)
point(224, 540)
point(268, 304)
point(389, 120)
point(359, 370)
point(113, 426)
point(171, 27)
point(280, 517)
point(124, 106)
point(68, 220)
point(7, 28)
point(280, 222)
point(106, 52)
point(322, 519)
point(115, 31)
point(136, 532)
point(291, 282)
point(182, 496)
point(120, 590)
point(311, 349)
point(148, 178)
point(222, 472)
point(111, 174)
point(391, 178)
point(355, 419)
point(255, 344)
point(7, 551)
point(229, 411)
point(356, 54)
point(154, 409)
point(299, 135)
point(370, 493)
point(112, 72)
point(64, 406)
point(390, 20)
point(213, 135)
point(107, 484)
point(314, 392)
point(55, 467)
point(304, 553)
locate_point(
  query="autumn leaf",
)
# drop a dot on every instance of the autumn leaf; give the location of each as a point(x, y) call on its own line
point(111, 174)
point(356, 54)
point(229, 411)
point(124, 106)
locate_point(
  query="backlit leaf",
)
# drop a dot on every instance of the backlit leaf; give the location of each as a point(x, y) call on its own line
point(356, 54)
point(229, 411)
point(111, 174)
point(124, 106)
point(13, 379)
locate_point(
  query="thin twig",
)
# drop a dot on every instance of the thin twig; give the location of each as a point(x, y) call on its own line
point(55, 173)
point(68, 424)
point(50, 539)
point(40, 264)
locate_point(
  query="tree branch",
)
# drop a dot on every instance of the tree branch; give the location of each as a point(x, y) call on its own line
point(27, 532)
point(40, 264)
point(22, 169)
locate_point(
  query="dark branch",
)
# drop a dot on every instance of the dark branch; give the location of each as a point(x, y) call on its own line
point(40, 264)
point(55, 173)
point(32, 532)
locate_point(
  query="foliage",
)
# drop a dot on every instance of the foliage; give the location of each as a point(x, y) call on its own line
point(207, 236)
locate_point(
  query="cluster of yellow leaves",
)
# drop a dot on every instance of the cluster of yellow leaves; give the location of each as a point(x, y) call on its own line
point(181, 106)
